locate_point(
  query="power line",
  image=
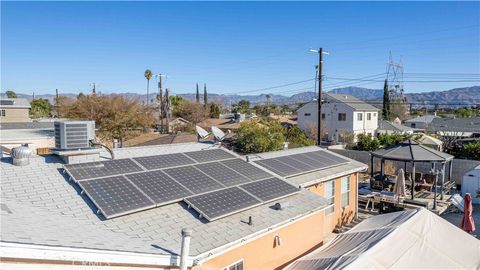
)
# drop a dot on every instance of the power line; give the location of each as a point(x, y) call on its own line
point(273, 87)
point(423, 81)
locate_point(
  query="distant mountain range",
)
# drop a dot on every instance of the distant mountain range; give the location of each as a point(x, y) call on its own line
point(465, 95)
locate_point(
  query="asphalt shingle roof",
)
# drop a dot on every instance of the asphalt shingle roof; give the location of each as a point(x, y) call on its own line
point(455, 124)
point(14, 103)
point(37, 199)
point(355, 103)
point(387, 125)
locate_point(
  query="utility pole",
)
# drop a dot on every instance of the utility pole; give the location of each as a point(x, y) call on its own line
point(167, 108)
point(320, 78)
point(94, 90)
point(160, 101)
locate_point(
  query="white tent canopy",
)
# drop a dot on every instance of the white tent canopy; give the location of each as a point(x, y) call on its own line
point(416, 239)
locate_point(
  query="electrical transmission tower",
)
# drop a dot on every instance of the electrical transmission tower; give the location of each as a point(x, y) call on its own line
point(396, 89)
point(395, 80)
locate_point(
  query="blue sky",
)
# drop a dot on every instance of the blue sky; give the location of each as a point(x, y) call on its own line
point(234, 47)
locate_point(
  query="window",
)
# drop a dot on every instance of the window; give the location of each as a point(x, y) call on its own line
point(323, 116)
point(369, 116)
point(342, 117)
point(2, 113)
point(235, 266)
point(307, 114)
point(413, 125)
point(330, 196)
point(359, 116)
point(374, 114)
point(345, 191)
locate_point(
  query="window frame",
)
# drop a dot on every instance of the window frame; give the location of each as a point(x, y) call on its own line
point(369, 116)
point(345, 192)
point(342, 117)
point(241, 261)
point(3, 113)
point(323, 115)
point(331, 199)
point(359, 116)
point(307, 114)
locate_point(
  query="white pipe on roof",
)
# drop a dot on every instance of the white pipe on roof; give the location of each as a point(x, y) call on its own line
point(185, 250)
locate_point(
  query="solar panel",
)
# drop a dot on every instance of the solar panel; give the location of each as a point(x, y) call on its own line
point(164, 161)
point(115, 196)
point(193, 179)
point(209, 155)
point(97, 169)
point(327, 157)
point(290, 161)
point(222, 174)
point(159, 187)
point(311, 160)
point(278, 167)
point(246, 169)
point(223, 202)
point(269, 189)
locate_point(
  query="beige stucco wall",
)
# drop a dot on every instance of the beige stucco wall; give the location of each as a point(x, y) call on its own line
point(297, 239)
point(15, 115)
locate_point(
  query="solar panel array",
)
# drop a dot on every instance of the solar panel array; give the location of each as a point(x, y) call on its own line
point(301, 163)
point(214, 182)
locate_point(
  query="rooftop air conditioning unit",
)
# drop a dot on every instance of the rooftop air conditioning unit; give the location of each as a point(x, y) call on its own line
point(70, 135)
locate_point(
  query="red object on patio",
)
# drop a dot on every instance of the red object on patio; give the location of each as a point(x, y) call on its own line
point(467, 221)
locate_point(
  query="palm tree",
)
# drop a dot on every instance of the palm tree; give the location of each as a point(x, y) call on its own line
point(269, 98)
point(148, 75)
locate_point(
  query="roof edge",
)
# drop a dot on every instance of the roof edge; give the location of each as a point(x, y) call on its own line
point(42, 252)
point(332, 176)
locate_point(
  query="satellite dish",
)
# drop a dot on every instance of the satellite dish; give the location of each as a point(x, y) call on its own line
point(218, 133)
point(202, 133)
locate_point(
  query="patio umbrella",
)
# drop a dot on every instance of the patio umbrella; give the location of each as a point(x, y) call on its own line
point(467, 221)
point(399, 188)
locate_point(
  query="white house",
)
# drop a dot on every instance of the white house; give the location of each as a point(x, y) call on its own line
point(420, 122)
point(341, 115)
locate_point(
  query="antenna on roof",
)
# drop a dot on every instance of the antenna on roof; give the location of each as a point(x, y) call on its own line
point(218, 133)
point(202, 133)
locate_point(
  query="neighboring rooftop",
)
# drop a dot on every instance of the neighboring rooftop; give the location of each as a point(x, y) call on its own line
point(37, 199)
point(353, 102)
point(392, 126)
point(471, 124)
point(14, 103)
point(26, 125)
point(422, 119)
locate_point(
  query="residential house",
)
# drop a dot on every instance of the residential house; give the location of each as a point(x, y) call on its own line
point(341, 115)
point(14, 110)
point(52, 217)
point(387, 127)
point(420, 122)
point(456, 127)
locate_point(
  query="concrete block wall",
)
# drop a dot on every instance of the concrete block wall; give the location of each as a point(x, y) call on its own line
point(460, 166)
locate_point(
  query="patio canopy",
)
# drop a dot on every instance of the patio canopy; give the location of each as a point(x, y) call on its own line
point(415, 239)
point(412, 151)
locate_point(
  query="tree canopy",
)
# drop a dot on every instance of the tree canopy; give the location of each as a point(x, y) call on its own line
point(113, 114)
point(40, 108)
point(10, 94)
point(264, 136)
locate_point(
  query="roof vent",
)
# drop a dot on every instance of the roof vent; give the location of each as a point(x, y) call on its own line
point(280, 205)
point(21, 155)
